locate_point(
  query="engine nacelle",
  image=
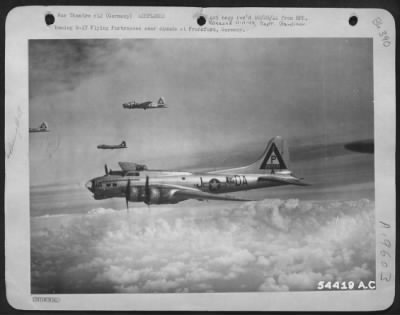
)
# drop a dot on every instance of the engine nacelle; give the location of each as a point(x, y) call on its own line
point(136, 194)
point(154, 196)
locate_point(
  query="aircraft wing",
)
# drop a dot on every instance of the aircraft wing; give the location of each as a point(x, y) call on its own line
point(192, 193)
point(283, 180)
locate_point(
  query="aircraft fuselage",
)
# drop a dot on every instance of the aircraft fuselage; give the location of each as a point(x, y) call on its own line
point(145, 105)
point(110, 186)
point(111, 147)
point(38, 130)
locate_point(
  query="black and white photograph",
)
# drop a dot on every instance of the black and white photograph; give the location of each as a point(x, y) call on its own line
point(209, 165)
point(244, 163)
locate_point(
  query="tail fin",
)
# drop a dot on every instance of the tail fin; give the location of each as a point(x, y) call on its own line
point(43, 125)
point(274, 158)
point(161, 101)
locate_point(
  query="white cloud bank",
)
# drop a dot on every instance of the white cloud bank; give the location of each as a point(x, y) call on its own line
point(269, 245)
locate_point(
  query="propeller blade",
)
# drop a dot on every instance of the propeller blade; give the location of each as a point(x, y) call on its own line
point(106, 169)
point(147, 191)
point(128, 193)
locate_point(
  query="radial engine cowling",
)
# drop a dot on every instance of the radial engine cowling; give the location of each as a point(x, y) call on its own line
point(151, 195)
point(135, 194)
point(154, 196)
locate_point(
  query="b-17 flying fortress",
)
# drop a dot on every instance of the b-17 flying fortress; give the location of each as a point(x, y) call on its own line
point(112, 146)
point(145, 105)
point(138, 184)
point(361, 146)
point(42, 128)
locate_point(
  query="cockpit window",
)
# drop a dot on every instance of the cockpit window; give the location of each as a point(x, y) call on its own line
point(108, 185)
point(114, 184)
point(98, 184)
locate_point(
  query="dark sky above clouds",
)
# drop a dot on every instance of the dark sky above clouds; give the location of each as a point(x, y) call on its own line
point(226, 98)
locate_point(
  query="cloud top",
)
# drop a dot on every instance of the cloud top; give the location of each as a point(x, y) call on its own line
point(269, 245)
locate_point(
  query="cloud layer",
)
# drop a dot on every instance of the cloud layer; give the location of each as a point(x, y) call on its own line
point(269, 245)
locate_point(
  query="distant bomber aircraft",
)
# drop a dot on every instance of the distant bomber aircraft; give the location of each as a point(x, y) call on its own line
point(42, 128)
point(362, 146)
point(146, 105)
point(112, 147)
point(136, 183)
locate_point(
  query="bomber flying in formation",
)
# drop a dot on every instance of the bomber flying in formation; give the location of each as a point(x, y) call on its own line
point(42, 128)
point(145, 105)
point(136, 183)
point(361, 146)
point(112, 146)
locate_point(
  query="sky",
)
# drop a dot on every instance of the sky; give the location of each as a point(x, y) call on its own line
point(226, 98)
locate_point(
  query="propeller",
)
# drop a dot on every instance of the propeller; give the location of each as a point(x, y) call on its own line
point(147, 191)
point(106, 169)
point(128, 193)
point(127, 198)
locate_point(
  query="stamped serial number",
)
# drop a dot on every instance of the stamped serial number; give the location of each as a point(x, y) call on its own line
point(346, 285)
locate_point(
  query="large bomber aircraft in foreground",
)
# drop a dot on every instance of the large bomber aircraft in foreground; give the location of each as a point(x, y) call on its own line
point(136, 183)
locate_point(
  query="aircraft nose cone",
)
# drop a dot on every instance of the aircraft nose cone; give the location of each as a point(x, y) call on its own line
point(89, 185)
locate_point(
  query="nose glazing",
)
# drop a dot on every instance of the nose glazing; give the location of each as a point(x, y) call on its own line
point(89, 185)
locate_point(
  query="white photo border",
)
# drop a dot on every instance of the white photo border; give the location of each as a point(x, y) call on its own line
point(25, 23)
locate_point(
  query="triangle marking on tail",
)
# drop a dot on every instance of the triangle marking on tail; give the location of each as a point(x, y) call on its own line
point(161, 101)
point(273, 159)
